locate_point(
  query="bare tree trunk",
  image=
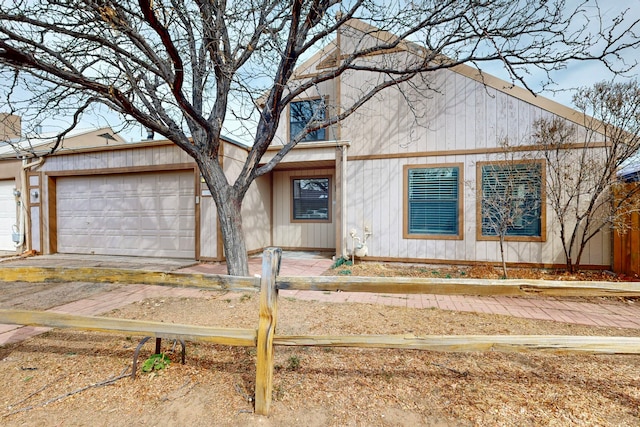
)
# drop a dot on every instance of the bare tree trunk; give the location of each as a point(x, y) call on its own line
point(504, 263)
point(228, 202)
point(235, 248)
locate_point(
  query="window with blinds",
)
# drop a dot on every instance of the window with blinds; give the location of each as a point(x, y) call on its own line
point(433, 201)
point(311, 199)
point(512, 200)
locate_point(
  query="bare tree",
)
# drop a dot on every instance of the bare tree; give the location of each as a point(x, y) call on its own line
point(583, 188)
point(509, 199)
point(184, 68)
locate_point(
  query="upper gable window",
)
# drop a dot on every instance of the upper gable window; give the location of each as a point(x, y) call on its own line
point(303, 112)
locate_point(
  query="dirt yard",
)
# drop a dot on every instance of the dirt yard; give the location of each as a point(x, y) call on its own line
point(71, 378)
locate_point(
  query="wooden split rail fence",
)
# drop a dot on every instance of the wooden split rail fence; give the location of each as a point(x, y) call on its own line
point(264, 338)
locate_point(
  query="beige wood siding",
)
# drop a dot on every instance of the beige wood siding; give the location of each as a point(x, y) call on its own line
point(161, 155)
point(444, 117)
point(461, 115)
point(306, 235)
point(208, 227)
point(256, 206)
point(375, 201)
point(256, 214)
point(328, 91)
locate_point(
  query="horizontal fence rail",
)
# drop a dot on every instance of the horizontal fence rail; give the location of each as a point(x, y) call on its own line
point(224, 336)
point(464, 343)
point(436, 286)
point(385, 285)
point(264, 337)
point(216, 282)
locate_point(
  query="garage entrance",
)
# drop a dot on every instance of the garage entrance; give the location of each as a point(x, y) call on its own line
point(138, 214)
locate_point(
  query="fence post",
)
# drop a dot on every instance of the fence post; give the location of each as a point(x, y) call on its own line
point(267, 329)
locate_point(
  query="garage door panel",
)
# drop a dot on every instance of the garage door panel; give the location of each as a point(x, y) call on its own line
point(134, 214)
point(131, 204)
point(7, 215)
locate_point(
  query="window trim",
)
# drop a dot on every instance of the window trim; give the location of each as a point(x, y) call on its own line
point(292, 217)
point(543, 202)
point(324, 99)
point(405, 196)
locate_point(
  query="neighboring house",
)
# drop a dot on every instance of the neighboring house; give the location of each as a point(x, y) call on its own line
point(409, 184)
point(20, 197)
point(630, 173)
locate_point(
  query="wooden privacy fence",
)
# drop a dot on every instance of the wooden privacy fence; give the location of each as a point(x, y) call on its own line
point(264, 338)
point(626, 241)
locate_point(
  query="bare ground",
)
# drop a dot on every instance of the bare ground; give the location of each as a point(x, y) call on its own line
point(44, 377)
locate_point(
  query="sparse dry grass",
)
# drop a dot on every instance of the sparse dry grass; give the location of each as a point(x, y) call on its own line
point(315, 386)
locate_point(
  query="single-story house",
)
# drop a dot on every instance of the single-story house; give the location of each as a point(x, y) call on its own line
point(387, 182)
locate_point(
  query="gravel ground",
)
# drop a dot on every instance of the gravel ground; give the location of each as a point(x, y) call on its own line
point(71, 378)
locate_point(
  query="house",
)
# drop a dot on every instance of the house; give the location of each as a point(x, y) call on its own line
point(394, 182)
point(408, 171)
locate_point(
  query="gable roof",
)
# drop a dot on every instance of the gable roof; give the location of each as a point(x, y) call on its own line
point(329, 56)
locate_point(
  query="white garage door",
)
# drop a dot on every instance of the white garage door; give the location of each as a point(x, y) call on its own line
point(143, 214)
point(7, 214)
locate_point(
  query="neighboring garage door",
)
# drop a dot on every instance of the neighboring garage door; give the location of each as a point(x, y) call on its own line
point(142, 214)
point(7, 214)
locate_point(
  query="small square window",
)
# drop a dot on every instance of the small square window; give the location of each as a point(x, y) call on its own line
point(311, 199)
point(301, 113)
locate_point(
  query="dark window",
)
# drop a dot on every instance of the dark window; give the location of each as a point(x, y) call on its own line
point(302, 113)
point(512, 200)
point(311, 199)
point(433, 200)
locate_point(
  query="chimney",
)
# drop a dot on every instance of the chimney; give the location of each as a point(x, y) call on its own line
point(10, 126)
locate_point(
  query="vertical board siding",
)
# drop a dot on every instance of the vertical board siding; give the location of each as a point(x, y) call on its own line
point(120, 158)
point(458, 114)
point(256, 215)
point(376, 199)
point(208, 228)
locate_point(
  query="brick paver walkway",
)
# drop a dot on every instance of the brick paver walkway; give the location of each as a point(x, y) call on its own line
point(553, 309)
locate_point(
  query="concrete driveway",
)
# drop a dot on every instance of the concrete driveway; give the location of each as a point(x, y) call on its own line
point(104, 261)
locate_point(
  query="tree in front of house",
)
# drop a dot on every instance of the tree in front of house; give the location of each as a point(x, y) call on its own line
point(510, 201)
point(582, 185)
point(185, 69)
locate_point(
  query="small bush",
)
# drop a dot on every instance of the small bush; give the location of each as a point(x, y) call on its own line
point(338, 262)
point(293, 363)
